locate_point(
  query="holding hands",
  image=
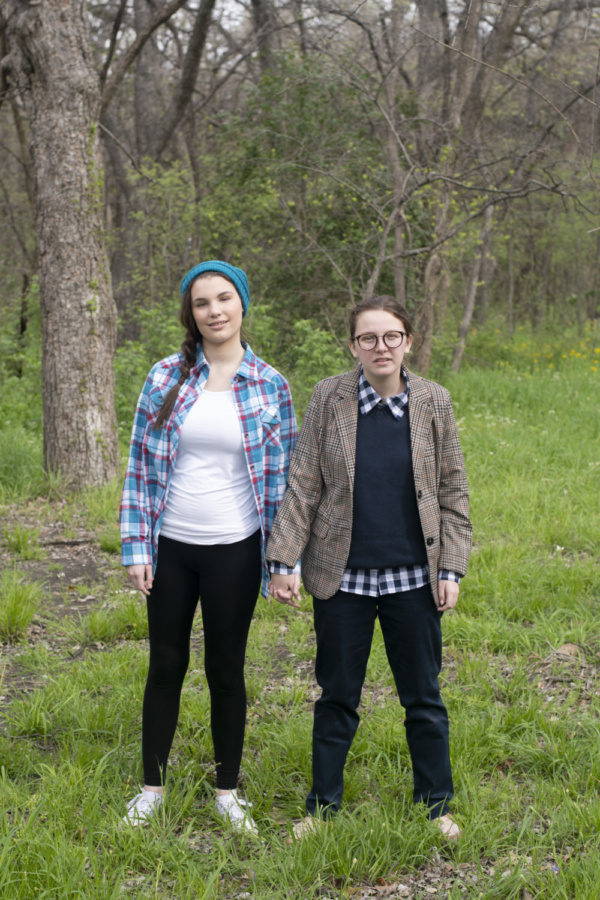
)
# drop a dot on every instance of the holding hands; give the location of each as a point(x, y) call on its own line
point(286, 589)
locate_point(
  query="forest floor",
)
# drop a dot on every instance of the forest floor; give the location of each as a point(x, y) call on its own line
point(79, 580)
point(521, 681)
point(76, 577)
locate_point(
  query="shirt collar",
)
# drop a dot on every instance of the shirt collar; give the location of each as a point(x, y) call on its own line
point(368, 398)
point(247, 369)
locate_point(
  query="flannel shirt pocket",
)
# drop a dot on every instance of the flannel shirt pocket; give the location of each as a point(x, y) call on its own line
point(270, 421)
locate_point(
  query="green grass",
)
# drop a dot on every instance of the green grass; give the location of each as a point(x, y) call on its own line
point(23, 541)
point(21, 471)
point(123, 617)
point(19, 601)
point(525, 716)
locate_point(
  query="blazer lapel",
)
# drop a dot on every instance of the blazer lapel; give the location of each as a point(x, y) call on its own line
point(346, 415)
point(420, 411)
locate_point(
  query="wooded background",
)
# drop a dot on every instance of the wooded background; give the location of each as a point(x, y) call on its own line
point(440, 151)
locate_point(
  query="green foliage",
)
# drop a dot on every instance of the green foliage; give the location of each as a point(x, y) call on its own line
point(554, 349)
point(295, 189)
point(161, 335)
point(166, 216)
point(318, 355)
point(19, 602)
point(305, 182)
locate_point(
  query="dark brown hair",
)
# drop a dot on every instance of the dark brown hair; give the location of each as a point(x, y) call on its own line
point(380, 301)
point(189, 347)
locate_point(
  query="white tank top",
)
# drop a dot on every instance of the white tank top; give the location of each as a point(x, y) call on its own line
point(210, 498)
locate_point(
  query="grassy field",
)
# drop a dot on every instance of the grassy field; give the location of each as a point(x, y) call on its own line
point(521, 681)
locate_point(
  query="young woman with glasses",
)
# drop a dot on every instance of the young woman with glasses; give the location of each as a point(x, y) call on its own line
point(212, 438)
point(377, 508)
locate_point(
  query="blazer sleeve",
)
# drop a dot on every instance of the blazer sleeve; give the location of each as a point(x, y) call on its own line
point(291, 529)
point(456, 531)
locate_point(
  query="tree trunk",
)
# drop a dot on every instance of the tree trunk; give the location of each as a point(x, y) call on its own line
point(147, 97)
point(511, 285)
point(486, 279)
point(262, 13)
point(436, 284)
point(465, 323)
point(50, 62)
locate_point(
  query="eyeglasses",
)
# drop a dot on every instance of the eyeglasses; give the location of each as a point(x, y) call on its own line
point(391, 339)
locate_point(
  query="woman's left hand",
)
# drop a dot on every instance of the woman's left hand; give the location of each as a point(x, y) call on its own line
point(447, 595)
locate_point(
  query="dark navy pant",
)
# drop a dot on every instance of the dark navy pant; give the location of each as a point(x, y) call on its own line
point(411, 627)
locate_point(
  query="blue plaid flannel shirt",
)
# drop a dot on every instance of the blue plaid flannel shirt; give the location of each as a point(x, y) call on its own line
point(268, 426)
point(376, 582)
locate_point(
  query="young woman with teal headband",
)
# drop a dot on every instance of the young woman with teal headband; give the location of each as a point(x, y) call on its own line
point(212, 438)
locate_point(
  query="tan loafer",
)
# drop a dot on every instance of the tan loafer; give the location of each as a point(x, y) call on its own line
point(303, 828)
point(448, 827)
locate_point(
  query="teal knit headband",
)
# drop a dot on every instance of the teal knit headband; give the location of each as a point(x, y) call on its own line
point(237, 276)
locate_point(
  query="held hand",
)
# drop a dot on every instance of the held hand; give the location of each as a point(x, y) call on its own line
point(141, 578)
point(286, 589)
point(447, 595)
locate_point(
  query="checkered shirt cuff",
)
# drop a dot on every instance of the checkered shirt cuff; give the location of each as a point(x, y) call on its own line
point(447, 575)
point(277, 568)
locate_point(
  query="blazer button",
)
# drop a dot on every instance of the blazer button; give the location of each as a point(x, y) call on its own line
point(429, 542)
point(419, 494)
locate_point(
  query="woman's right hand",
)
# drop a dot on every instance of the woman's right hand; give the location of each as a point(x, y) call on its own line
point(141, 578)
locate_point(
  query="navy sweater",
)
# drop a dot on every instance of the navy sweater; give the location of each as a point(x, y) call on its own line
point(386, 529)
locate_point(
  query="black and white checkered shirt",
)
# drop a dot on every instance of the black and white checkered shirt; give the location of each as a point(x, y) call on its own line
point(375, 582)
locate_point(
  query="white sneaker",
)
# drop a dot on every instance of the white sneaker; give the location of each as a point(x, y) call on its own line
point(142, 807)
point(231, 809)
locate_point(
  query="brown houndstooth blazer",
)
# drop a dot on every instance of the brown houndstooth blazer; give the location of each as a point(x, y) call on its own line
point(314, 521)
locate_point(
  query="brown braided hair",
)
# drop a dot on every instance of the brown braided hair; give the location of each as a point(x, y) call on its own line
point(189, 347)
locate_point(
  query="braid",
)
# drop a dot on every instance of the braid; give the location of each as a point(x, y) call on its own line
point(188, 349)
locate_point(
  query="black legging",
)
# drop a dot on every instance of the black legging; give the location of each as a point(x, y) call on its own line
point(226, 577)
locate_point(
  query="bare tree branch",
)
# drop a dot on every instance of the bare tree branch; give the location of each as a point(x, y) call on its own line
point(516, 80)
point(112, 84)
point(122, 147)
point(186, 84)
point(113, 41)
